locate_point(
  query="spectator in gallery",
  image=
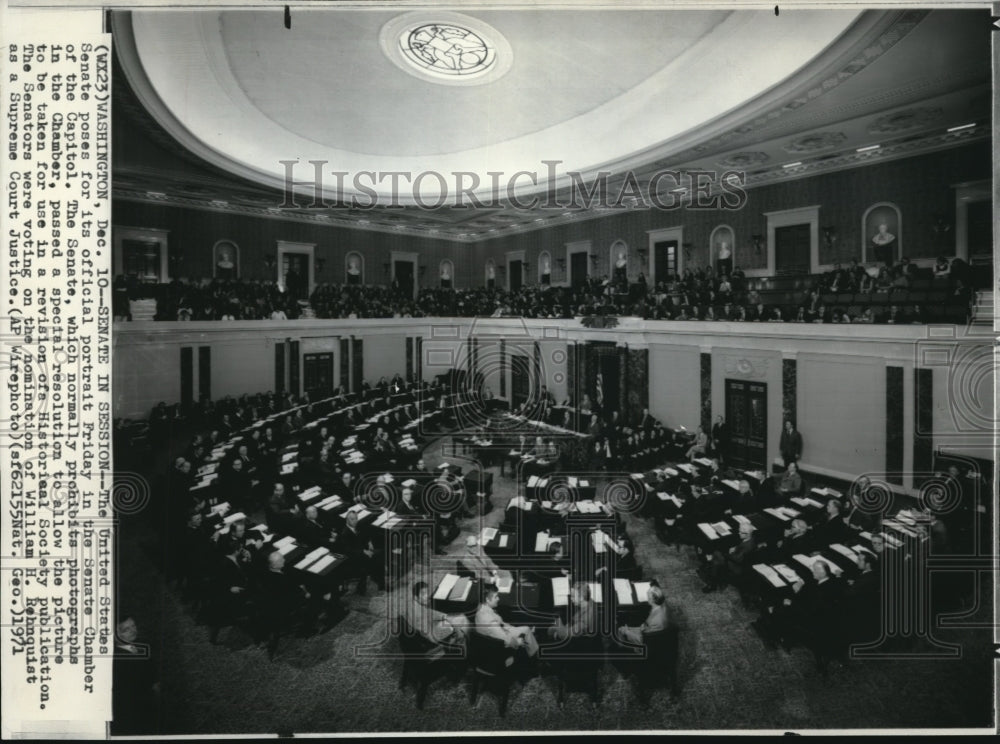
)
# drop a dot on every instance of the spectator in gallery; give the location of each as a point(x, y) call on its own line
point(790, 444)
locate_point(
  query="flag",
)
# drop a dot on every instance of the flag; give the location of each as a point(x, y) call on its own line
point(600, 389)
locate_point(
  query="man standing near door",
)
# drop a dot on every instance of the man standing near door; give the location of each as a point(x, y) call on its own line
point(790, 444)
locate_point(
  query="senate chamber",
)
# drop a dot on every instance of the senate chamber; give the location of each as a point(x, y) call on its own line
point(553, 369)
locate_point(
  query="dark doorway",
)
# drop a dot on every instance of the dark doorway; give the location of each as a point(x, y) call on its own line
point(746, 414)
point(520, 380)
point(578, 268)
point(295, 274)
point(404, 278)
point(516, 269)
point(791, 249)
point(664, 260)
point(610, 385)
point(317, 375)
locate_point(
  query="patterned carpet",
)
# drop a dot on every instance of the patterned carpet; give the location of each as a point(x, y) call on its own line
point(730, 680)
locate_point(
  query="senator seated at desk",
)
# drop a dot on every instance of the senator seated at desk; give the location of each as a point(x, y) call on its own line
point(655, 622)
point(433, 625)
point(489, 623)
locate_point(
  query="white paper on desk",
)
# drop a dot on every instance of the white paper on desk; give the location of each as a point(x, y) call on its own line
point(769, 573)
point(560, 591)
point(891, 540)
point(905, 518)
point(286, 549)
point(520, 502)
point(858, 548)
point(642, 590)
point(445, 587)
point(624, 591)
point(383, 518)
point(219, 508)
point(805, 560)
point(234, 518)
point(532, 481)
point(596, 594)
point(637, 476)
point(505, 584)
point(309, 492)
point(571, 481)
point(703, 461)
point(321, 564)
point(543, 482)
point(313, 556)
point(735, 485)
point(443, 465)
point(845, 551)
point(788, 574)
point(546, 504)
point(503, 540)
point(543, 540)
point(262, 528)
point(584, 484)
point(671, 472)
point(663, 496)
point(742, 518)
point(812, 502)
point(489, 533)
point(722, 529)
point(898, 527)
point(709, 532)
point(289, 456)
point(798, 500)
point(391, 523)
point(686, 467)
point(284, 541)
point(331, 503)
point(289, 468)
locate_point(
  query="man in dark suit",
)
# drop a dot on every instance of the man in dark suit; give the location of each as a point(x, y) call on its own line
point(720, 438)
point(734, 564)
point(282, 601)
point(790, 444)
point(797, 540)
point(360, 553)
point(310, 531)
point(235, 485)
point(231, 592)
point(832, 529)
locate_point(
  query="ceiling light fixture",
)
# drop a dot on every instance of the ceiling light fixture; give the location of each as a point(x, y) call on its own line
point(963, 126)
point(792, 165)
point(866, 148)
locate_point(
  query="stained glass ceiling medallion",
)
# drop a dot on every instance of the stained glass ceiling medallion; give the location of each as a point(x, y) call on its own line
point(446, 48)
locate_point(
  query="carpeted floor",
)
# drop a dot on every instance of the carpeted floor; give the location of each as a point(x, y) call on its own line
point(336, 683)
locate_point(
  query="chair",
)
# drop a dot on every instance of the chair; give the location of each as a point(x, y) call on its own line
point(579, 669)
point(422, 660)
point(492, 664)
point(659, 668)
